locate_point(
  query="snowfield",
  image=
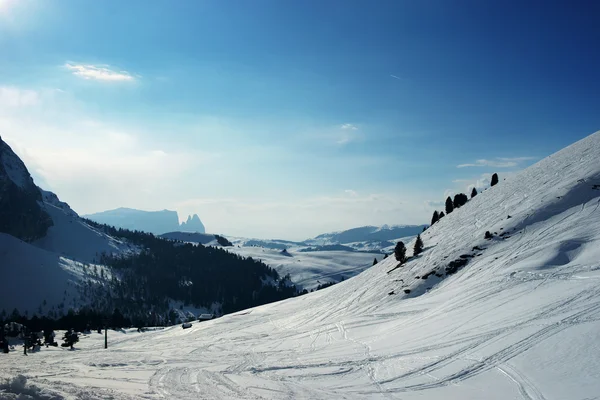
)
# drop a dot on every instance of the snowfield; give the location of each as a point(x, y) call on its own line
point(521, 320)
point(309, 269)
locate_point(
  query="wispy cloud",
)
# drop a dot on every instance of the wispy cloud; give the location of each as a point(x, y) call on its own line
point(349, 127)
point(348, 133)
point(16, 97)
point(498, 162)
point(396, 77)
point(100, 72)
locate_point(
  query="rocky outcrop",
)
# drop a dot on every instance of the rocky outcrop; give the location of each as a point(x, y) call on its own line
point(193, 224)
point(21, 211)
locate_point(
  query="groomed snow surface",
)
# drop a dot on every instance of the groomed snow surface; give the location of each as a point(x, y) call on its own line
point(520, 321)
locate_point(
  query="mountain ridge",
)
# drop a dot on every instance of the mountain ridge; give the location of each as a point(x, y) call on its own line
point(156, 222)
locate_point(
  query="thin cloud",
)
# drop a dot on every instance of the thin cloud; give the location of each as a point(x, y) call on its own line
point(349, 133)
point(99, 73)
point(498, 162)
point(396, 77)
point(349, 127)
point(15, 97)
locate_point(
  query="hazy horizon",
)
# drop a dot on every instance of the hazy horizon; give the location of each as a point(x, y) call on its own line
point(286, 120)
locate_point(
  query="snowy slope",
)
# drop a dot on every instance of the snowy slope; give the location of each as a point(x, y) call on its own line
point(520, 321)
point(310, 269)
point(73, 238)
point(39, 275)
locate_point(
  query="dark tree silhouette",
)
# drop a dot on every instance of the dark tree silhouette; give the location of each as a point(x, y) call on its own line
point(449, 205)
point(400, 252)
point(70, 338)
point(435, 218)
point(418, 246)
point(494, 180)
point(374, 261)
point(473, 192)
point(460, 200)
point(442, 215)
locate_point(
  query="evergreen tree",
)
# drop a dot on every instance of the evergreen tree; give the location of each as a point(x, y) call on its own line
point(70, 338)
point(435, 217)
point(494, 180)
point(449, 205)
point(374, 261)
point(400, 252)
point(460, 200)
point(418, 246)
point(385, 256)
point(442, 215)
point(473, 192)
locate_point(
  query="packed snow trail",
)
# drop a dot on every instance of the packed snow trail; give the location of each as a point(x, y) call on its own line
point(521, 320)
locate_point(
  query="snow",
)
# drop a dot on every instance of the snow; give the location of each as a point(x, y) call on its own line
point(73, 238)
point(32, 276)
point(50, 269)
point(309, 269)
point(520, 321)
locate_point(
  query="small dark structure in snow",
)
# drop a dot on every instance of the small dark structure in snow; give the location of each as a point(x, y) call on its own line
point(205, 317)
point(186, 325)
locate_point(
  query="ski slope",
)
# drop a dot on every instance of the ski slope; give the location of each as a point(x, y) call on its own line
point(520, 321)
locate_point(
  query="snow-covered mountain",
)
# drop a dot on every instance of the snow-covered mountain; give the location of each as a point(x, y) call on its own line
point(156, 222)
point(46, 250)
point(516, 316)
point(368, 234)
point(21, 213)
point(55, 264)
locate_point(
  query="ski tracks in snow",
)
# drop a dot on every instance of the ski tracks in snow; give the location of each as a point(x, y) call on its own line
point(527, 389)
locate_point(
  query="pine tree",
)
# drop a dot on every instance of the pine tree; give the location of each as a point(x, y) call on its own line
point(418, 246)
point(494, 180)
point(442, 215)
point(374, 261)
point(473, 192)
point(385, 256)
point(449, 205)
point(400, 252)
point(70, 338)
point(460, 200)
point(435, 218)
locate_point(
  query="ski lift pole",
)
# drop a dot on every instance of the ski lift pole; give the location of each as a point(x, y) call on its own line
point(105, 334)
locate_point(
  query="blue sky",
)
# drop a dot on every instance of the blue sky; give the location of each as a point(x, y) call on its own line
point(288, 119)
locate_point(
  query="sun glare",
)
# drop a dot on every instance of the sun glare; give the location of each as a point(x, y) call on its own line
point(4, 5)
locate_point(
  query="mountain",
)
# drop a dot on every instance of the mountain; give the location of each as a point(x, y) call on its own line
point(156, 222)
point(56, 265)
point(368, 234)
point(516, 316)
point(193, 224)
point(21, 214)
point(44, 245)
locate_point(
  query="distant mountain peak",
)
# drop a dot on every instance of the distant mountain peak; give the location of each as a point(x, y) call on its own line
point(193, 224)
